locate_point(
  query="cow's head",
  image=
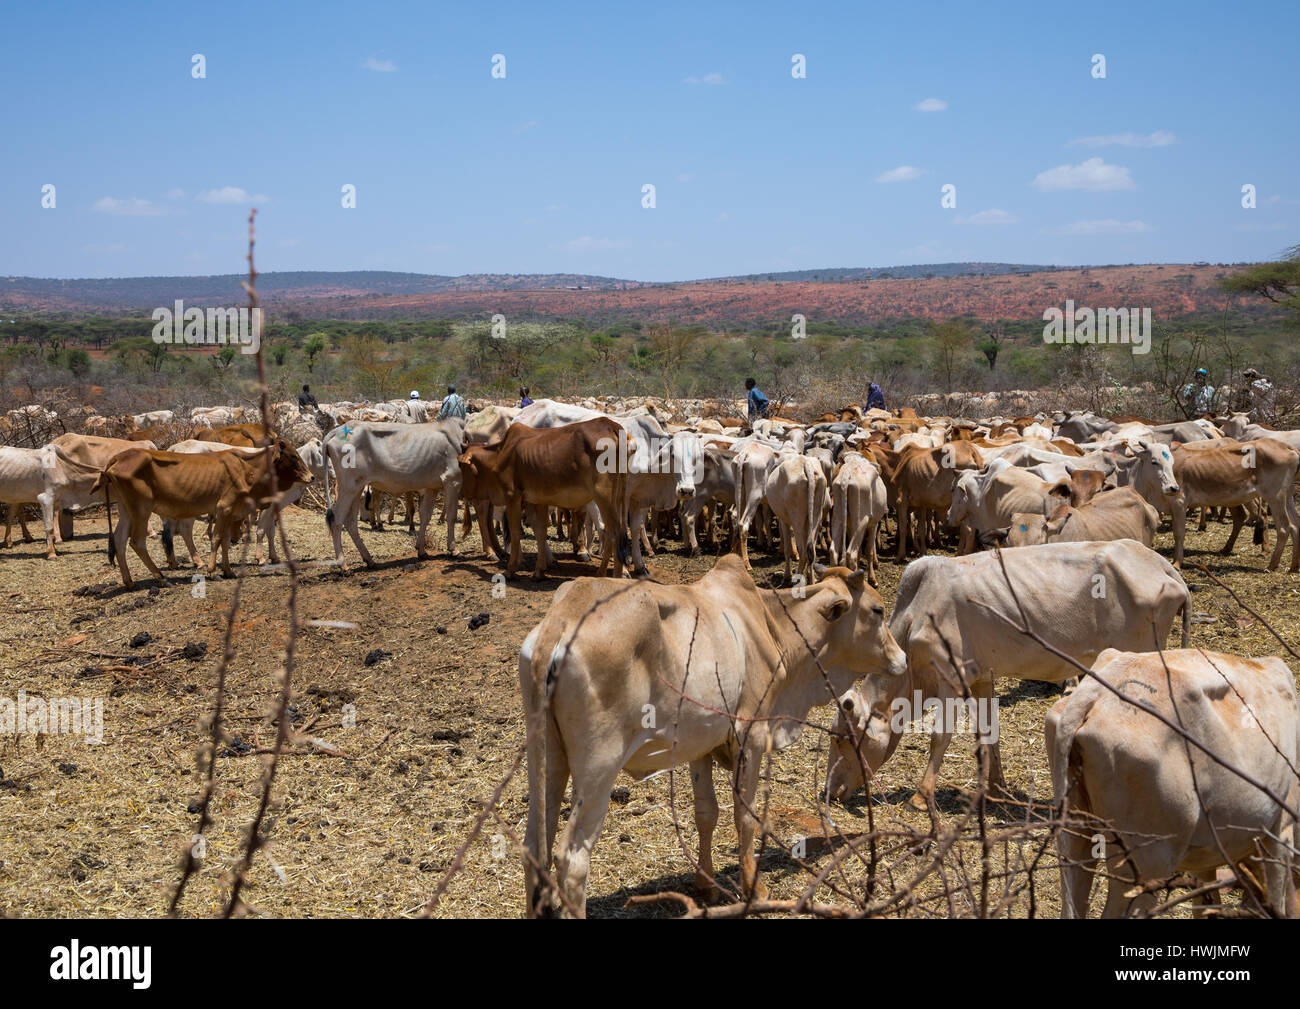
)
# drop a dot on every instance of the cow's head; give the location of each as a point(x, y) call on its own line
point(848, 620)
point(964, 492)
point(290, 467)
point(685, 456)
point(860, 735)
point(1155, 463)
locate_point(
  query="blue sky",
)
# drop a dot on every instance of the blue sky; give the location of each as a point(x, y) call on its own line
point(539, 172)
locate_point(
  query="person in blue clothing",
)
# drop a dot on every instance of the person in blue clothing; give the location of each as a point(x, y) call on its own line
point(757, 401)
point(523, 398)
point(875, 397)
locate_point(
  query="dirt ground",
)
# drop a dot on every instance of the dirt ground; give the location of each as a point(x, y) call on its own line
point(369, 829)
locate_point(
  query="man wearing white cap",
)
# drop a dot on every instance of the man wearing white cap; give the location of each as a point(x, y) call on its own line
point(416, 409)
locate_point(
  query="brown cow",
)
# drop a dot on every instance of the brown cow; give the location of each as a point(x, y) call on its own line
point(225, 485)
point(923, 480)
point(557, 467)
point(238, 435)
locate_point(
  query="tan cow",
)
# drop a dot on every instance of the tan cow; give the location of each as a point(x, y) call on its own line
point(796, 493)
point(642, 677)
point(226, 485)
point(1232, 473)
point(1119, 514)
point(1080, 597)
point(1161, 805)
point(858, 503)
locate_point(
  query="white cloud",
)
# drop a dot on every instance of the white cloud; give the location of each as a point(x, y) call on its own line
point(903, 173)
point(1093, 175)
point(231, 194)
point(714, 78)
point(175, 194)
point(931, 105)
point(1110, 226)
point(132, 206)
point(379, 66)
point(988, 217)
point(1160, 138)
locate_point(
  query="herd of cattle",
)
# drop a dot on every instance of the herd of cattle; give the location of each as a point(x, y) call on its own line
point(729, 670)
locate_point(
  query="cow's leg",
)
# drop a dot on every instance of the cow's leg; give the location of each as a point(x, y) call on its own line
point(1074, 848)
point(350, 523)
point(1287, 520)
point(690, 515)
point(121, 535)
point(557, 778)
point(903, 525)
point(1178, 516)
point(187, 533)
point(9, 524)
point(580, 528)
point(451, 485)
point(1238, 520)
point(427, 504)
point(22, 524)
point(706, 819)
point(638, 533)
point(873, 560)
point(940, 737)
point(139, 525)
point(540, 524)
point(746, 793)
point(982, 691)
point(591, 786)
point(515, 519)
point(49, 515)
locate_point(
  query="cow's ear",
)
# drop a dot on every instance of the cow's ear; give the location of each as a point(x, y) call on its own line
point(833, 606)
point(991, 537)
point(856, 580)
point(819, 570)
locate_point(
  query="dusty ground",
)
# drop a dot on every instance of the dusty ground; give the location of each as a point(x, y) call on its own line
point(98, 830)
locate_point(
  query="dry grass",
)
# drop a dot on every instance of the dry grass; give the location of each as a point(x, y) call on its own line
point(99, 830)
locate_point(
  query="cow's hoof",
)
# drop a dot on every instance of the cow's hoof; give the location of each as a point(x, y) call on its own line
point(696, 552)
point(582, 555)
point(706, 891)
point(918, 801)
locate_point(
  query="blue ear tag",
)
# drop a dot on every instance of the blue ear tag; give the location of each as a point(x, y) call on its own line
point(1024, 529)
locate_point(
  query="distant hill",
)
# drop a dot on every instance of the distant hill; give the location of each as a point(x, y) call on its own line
point(848, 296)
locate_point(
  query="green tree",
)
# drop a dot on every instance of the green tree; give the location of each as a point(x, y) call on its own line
point(312, 348)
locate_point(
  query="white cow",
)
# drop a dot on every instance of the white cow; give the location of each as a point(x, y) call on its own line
point(1161, 805)
point(796, 493)
point(393, 458)
point(1080, 597)
point(858, 503)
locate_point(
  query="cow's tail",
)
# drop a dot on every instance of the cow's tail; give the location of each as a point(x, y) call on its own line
point(103, 481)
point(168, 540)
point(537, 683)
point(329, 507)
point(806, 548)
point(840, 537)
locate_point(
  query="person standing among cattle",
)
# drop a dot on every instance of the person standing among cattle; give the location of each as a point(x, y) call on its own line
point(523, 398)
point(452, 405)
point(306, 399)
point(1198, 396)
point(416, 408)
point(758, 403)
point(875, 396)
point(1257, 397)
